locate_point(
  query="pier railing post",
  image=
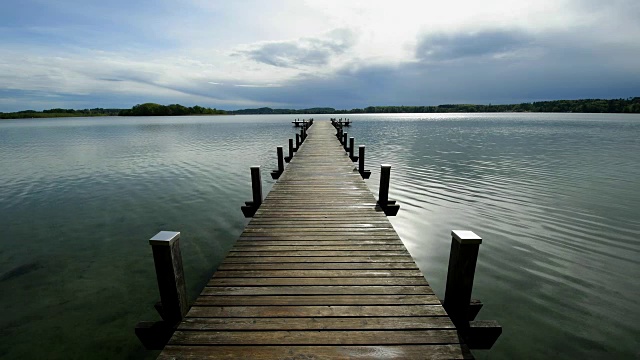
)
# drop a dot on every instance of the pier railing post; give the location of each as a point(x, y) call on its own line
point(352, 141)
point(345, 144)
point(364, 173)
point(297, 142)
point(276, 173)
point(291, 150)
point(383, 190)
point(462, 267)
point(250, 207)
point(173, 305)
point(388, 206)
point(256, 186)
point(170, 274)
point(463, 257)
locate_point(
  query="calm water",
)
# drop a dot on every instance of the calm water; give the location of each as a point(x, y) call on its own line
point(556, 198)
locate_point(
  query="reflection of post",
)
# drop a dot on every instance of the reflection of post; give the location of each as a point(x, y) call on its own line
point(462, 266)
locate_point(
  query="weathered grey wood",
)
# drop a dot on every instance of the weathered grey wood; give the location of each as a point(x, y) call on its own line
point(462, 267)
point(318, 272)
point(279, 154)
point(315, 311)
point(431, 351)
point(291, 151)
point(317, 290)
point(351, 149)
point(170, 275)
point(319, 323)
point(337, 337)
point(256, 185)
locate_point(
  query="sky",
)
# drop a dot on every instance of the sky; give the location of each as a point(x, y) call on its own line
point(300, 54)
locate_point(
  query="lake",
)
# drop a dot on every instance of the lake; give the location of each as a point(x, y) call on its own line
point(555, 197)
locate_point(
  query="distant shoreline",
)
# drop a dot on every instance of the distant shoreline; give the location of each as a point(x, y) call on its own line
point(583, 106)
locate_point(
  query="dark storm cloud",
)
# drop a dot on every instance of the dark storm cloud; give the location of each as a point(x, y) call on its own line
point(302, 52)
point(442, 47)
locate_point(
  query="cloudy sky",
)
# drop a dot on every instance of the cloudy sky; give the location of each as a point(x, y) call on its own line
point(297, 54)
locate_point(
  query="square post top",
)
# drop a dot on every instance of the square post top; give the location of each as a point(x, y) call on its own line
point(465, 237)
point(164, 238)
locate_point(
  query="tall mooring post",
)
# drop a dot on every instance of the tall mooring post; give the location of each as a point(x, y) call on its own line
point(275, 174)
point(291, 150)
point(388, 206)
point(170, 275)
point(463, 257)
point(352, 141)
point(364, 173)
point(173, 304)
point(250, 207)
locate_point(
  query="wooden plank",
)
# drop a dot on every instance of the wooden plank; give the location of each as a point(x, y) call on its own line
point(380, 281)
point(319, 323)
point(316, 311)
point(300, 337)
point(326, 300)
point(317, 290)
point(316, 259)
point(435, 351)
point(319, 266)
point(317, 273)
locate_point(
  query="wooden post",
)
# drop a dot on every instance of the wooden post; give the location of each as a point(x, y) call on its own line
point(345, 144)
point(280, 158)
point(462, 267)
point(256, 186)
point(275, 174)
point(383, 191)
point(351, 149)
point(364, 173)
point(170, 274)
point(291, 150)
point(297, 142)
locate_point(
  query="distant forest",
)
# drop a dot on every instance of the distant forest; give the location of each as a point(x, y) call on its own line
point(51, 113)
point(151, 109)
point(629, 105)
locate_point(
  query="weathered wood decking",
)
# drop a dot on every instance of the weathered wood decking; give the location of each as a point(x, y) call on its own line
point(318, 273)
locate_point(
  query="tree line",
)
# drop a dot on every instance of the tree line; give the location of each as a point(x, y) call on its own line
point(629, 105)
point(59, 112)
point(152, 109)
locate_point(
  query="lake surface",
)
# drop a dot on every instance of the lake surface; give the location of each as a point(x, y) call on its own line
point(555, 197)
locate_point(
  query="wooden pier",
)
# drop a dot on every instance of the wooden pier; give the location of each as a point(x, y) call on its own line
point(318, 273)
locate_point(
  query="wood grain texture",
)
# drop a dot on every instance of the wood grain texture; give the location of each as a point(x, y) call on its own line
point(318, 273)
